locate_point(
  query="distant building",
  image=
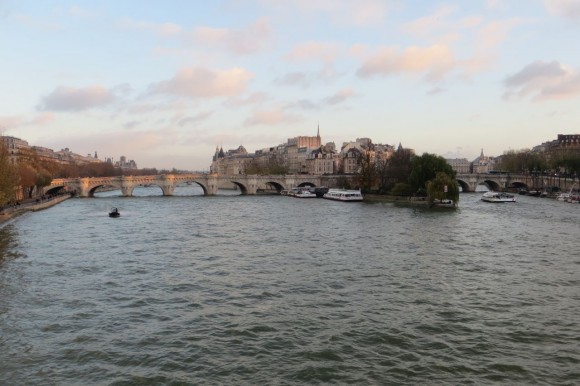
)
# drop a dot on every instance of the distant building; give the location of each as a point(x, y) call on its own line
point(234, 161)
point(483, 163)
point(322, 160)
point(16, 147)
point(124, 163)
point(301, 155)
point(297, 151)
point(460, 165)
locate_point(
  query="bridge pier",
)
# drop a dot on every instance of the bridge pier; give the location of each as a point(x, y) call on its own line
point(168, 190)
point(127, 191)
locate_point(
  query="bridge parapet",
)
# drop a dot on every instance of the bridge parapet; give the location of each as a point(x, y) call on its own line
point(501, 182)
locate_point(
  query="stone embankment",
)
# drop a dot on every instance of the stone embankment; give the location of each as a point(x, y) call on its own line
point(9, 212)
point(420, 201)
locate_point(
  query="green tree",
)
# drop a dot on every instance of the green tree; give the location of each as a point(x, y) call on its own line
point(442, 187)
point(425, 168)
point(401, 189)
point(394, 170)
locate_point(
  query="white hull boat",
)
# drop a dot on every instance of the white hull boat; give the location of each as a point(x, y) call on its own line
point(345, 195)
point(498, 197)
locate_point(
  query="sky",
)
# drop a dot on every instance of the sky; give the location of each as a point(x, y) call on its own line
point(165, 82)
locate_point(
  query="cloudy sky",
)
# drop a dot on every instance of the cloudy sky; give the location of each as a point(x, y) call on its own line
point(165, 82)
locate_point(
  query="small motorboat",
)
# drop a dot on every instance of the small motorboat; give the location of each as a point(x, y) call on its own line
point(114, 212)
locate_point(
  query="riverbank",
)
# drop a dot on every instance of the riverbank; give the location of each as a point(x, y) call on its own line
point(8, 213)
point(419, 201)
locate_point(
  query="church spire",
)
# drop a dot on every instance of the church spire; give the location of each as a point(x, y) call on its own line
point(318, 130)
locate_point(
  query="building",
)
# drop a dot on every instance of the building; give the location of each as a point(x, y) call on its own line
point(234, 161)
point(483, 164)
point(322, 160)
point(16, 148)
point(298, 150)
point(460, 165)
point(301, 155)
point(351, 154)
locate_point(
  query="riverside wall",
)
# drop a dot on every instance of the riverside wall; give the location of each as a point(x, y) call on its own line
point(9, 212)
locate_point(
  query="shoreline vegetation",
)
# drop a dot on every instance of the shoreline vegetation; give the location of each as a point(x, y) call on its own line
point(10, 212)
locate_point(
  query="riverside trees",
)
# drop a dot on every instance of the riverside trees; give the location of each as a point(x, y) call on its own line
point(8, 177)
point(527, 161)
point(403, 175)
point(425, 168)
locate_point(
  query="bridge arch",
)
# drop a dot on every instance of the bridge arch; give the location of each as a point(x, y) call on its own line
point(204, 187)
point(276, 185)
point(518, 185)
point(464, 186)
point(91, 189)
point(52, 189)
point(243, 188)
point(492, 185)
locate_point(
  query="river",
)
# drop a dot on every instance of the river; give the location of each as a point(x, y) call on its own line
point(236, 290)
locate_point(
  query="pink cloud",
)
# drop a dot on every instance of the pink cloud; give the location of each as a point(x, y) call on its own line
point(426, 25)
point(434, 61)
point(77, 99)
point(250, 39)
point(340, 97)
point(193, 119)
point(43, 118)
point(253, 99)
point(8, 122)
point(492, 34)
point(196, 82)
point(14, 121)
point(294, 78)
point(325, 52)
point(271, 117)
point(569, 9)
point(543, 81)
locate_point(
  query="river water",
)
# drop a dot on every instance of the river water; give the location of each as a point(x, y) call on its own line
point(275, 290)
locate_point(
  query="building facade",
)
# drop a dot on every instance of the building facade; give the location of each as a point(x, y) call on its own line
point(460, 165)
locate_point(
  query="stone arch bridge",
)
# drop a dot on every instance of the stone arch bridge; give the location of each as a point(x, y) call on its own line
point(506, 181)
point(252, 184)
point(248, 184)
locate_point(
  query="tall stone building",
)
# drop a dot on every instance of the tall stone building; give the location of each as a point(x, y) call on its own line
point(298, 150)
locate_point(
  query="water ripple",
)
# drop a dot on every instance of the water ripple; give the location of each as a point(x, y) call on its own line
point(271, 290)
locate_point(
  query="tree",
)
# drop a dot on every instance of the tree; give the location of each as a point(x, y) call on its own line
point(395, 171)
point(366, 176)
point(27, 179)
point(8, 177)
point(425, 168)
point(568, 161)
point(401, 189)
point(522, 161)
point(442, 187)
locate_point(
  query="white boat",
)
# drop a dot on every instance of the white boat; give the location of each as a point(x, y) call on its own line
point(305, 194)
point(343, 195)
point(498, 197)
point(567, 197)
